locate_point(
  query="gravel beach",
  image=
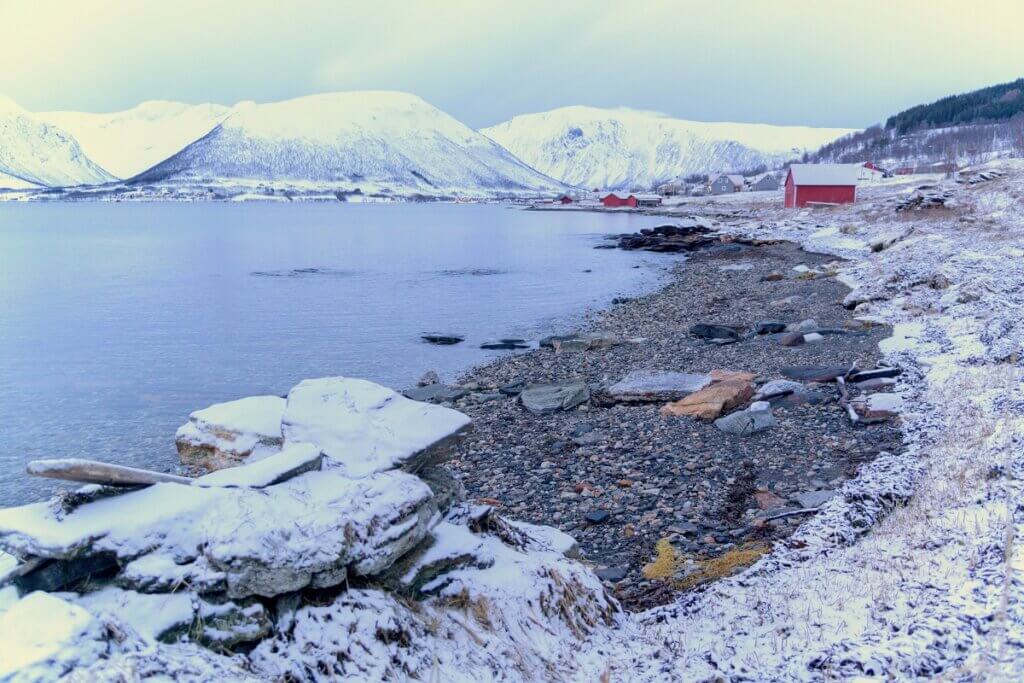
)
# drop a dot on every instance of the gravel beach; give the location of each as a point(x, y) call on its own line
point(621, 477)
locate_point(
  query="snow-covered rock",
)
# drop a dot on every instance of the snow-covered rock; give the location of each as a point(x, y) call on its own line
point(36, 153)
point(625, 149)
point(43, 637)
point(294, 460)
point(126, 143)
point(227, 434)
point(362, 427)
point(367, 141)
point(264, 541)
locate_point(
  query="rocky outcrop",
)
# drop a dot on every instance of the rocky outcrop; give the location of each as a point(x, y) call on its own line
point(228, 434)
point(224, 563)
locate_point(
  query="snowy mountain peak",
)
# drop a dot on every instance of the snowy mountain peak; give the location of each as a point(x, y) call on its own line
point(130, 141)
point(370, 140)
point(627, 148)
point(36, 153)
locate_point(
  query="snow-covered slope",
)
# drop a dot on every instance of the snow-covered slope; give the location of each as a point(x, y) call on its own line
point(33, 152)
point(624, 148)
point(128, 142)
point(373, 141)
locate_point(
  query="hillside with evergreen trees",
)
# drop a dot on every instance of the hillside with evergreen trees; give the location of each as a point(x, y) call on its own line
point(965, 128)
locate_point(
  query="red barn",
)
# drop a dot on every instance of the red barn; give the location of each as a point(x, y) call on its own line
point(614, 200)
point(564, 199)
point(810, 184)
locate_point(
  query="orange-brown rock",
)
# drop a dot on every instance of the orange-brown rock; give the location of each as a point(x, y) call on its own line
point(766, 500)
point(724, 375)
point(711, 402)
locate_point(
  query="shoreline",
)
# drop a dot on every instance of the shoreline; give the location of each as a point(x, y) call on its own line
point(673, 478)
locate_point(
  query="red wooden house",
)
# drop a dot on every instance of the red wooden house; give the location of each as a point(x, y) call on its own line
point(615, 199)
point(564, 199)
point(811, 184)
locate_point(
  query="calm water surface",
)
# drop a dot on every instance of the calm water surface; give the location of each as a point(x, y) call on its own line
point(117, 320)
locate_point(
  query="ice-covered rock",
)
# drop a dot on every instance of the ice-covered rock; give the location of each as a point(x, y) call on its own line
point(756, 418)
point(228, 434)
point(363, 428)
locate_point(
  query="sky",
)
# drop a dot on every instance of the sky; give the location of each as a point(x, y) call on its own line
point(836, 63)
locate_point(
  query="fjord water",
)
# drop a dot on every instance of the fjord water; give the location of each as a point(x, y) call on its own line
point(117, 320)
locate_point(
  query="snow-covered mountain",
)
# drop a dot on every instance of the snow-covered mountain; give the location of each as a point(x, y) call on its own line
point(625, 148)
point(36, 153)
point(126, 143)
point(375, 141)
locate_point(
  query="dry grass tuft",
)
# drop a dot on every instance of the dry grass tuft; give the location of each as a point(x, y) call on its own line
point(666, 562)
point(724, 565)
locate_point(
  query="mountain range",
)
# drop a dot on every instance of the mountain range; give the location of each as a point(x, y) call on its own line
point(373, 142)
point(629, 149)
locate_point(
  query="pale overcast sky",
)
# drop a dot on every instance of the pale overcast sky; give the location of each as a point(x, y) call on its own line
point(825, 62)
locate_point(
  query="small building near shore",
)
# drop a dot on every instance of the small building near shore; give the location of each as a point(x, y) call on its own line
point(647, 200)
point(726, 183)
point(765, 183)
point(821, 184)
point(564, 199)
point(614, 200)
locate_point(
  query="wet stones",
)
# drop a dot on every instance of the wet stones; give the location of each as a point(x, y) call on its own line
point(443, 339)
point(505, 345)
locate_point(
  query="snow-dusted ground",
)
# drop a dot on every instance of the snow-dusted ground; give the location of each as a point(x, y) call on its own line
point(915, 570)
point(624, 148)
point(912, 572)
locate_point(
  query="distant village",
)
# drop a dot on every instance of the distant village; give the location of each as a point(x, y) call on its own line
point(801, 185)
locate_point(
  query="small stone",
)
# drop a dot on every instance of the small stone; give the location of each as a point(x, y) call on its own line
point(756, 418)
point(814, 373)
point(429, 377)
point(792, 339)
point(597, 517)
point(766, 500)
point(813, 499)
point(770, 327)
point(540, 399)
point(612, 574)
point(813, 338)
point(773, 276)
point(624, 483)
point(709, 331)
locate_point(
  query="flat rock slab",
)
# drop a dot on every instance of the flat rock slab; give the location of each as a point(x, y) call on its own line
point(755, 419)
point(813, 499)
point(363, 428)
point(226, 434)
point(770, 327)
point(653, 385)
point(443, 339)
point(435, 393)
point(814, 373)
point(294, 460)
point(711, 402)
point(549, 398)
point(710, 332)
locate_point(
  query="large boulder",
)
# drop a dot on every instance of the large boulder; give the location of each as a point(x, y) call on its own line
point(363, 428)
point(540, 399)
point(228, 434)
point(709, 403)
point(641, 386)
point(306, 531)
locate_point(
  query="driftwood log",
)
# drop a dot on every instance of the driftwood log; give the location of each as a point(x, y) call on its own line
point(93, 472)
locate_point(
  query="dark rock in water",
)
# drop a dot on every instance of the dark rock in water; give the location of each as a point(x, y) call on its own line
point(597, 517)
point(606, 246)
point(877, 373)
point(612, 574)
point(435, 393)
point(549, 398)
point(443, 339)
point(813, 373)
point(770, 327)
point(669, 238)
point(429, 377)
point(622, 299)
point(708, 331)
point(505, 345)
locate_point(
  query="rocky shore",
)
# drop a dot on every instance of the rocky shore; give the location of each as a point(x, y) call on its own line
point(622, 475)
